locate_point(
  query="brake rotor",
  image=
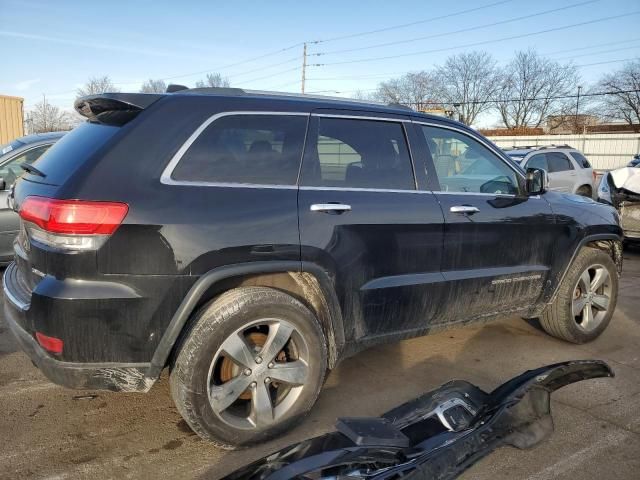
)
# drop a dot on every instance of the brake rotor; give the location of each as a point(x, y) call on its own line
point(229, 369)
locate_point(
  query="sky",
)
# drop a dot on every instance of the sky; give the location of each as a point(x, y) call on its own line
point(53, 47)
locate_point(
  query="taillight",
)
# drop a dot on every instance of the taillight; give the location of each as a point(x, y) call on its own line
point(50, 344)
point(71, 224)
point(595, 176)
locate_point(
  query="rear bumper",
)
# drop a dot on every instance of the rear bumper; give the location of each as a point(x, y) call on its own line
point(123, 377)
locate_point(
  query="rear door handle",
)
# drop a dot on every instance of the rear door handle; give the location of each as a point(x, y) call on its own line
point(464, 209)
point(330, 207)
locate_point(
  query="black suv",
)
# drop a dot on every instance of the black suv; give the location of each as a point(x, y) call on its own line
point(248, 242)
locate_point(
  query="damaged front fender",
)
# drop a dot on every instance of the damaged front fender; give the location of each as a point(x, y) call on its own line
point(436, 436)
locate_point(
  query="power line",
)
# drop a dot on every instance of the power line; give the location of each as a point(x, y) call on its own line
point(252, 59)
point(453, 32)
point(475, 44)
point(410, 24)
point(593, 46)
point(271, 75)
point(608, 61)
point(597, 53)
point(291, 60)
point(532, 99)
point(386, 75)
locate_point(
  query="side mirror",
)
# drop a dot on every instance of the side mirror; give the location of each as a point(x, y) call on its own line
point(537, 181)
point(3, 184)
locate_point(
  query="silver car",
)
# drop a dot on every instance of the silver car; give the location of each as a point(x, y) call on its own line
point(569, 170)
point(13, 155)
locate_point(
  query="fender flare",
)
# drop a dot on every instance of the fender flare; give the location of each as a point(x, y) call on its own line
point(581, 244)
point(191, 299)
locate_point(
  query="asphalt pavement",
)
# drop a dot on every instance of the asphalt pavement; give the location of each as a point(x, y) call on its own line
point(47, 431)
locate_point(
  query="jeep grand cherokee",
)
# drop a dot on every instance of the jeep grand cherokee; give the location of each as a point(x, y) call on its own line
point(248, 242)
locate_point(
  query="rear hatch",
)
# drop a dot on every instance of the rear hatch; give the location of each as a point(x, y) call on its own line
point(49, 179)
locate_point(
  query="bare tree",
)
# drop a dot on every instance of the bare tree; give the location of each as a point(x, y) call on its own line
point(213, 80)
point(153, 86)
point(467, 82)
point(96, 85)
point(45, 117)
point(624, 104)
point(417, 89)
point(530, 87)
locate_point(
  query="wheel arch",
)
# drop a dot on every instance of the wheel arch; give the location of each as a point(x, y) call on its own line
point(305, 281)
point(608, 242)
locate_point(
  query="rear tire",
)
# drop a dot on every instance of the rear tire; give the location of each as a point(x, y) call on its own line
point(586, 298)
point(221, 384)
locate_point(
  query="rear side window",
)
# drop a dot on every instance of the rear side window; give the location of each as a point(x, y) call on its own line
point(71, 151)
point(581, 159)
point(558, 162)
point(246, 149)
point(353, 153)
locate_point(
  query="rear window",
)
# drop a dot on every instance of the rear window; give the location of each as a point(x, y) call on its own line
point(581, 159)
point(68, 154)
point(246, 149)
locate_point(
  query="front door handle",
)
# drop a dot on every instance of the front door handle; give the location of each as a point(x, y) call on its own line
point(330, 207)
point(464, 209)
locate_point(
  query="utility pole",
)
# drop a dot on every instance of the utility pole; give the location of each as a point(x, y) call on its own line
point(578, 106)
point(304, 64)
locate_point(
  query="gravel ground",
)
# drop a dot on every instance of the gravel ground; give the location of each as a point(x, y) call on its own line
point(50, 432)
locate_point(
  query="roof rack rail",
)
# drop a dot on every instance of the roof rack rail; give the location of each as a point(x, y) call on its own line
point(243, 91)
point(524, 147)
point(564, 145)
point(399, 105)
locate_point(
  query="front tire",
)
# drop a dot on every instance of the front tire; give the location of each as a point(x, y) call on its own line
point(252, 364)
point(585, 300)
point(584, 191)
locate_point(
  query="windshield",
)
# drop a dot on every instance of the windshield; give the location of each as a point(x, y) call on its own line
point(8, 147)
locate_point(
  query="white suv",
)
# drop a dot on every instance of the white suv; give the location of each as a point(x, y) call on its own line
point(569, 170)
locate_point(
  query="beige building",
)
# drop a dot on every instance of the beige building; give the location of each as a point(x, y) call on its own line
point(11, 118)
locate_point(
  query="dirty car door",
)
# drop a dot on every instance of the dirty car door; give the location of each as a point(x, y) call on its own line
point(498, 242)
point(363, 219)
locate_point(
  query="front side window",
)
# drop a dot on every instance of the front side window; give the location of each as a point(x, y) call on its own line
point(353, 153)
point(246, 149)
point(538, 160)
point(558, 162)
point(465, 165)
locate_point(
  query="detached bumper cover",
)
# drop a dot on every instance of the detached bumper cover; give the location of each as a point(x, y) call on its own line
point(436, 436)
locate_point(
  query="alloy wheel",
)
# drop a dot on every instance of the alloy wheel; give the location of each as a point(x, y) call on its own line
point(258, 373)
point(591, 297)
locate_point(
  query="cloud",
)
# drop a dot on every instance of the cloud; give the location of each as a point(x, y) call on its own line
point(85, 44)
point(26, 84)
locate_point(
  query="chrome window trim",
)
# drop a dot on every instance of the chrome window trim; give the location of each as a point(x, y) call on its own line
point(356, 189)
point(361, 117)
point(480, 140)
point(165, 177)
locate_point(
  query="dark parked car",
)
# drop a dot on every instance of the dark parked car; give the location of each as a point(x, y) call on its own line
point(635, 162)
point(13, 155)
point(249, 242)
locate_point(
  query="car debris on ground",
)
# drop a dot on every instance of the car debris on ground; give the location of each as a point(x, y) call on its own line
point(436, 436)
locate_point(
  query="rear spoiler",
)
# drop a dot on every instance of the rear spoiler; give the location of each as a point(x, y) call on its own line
point(114, 108)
